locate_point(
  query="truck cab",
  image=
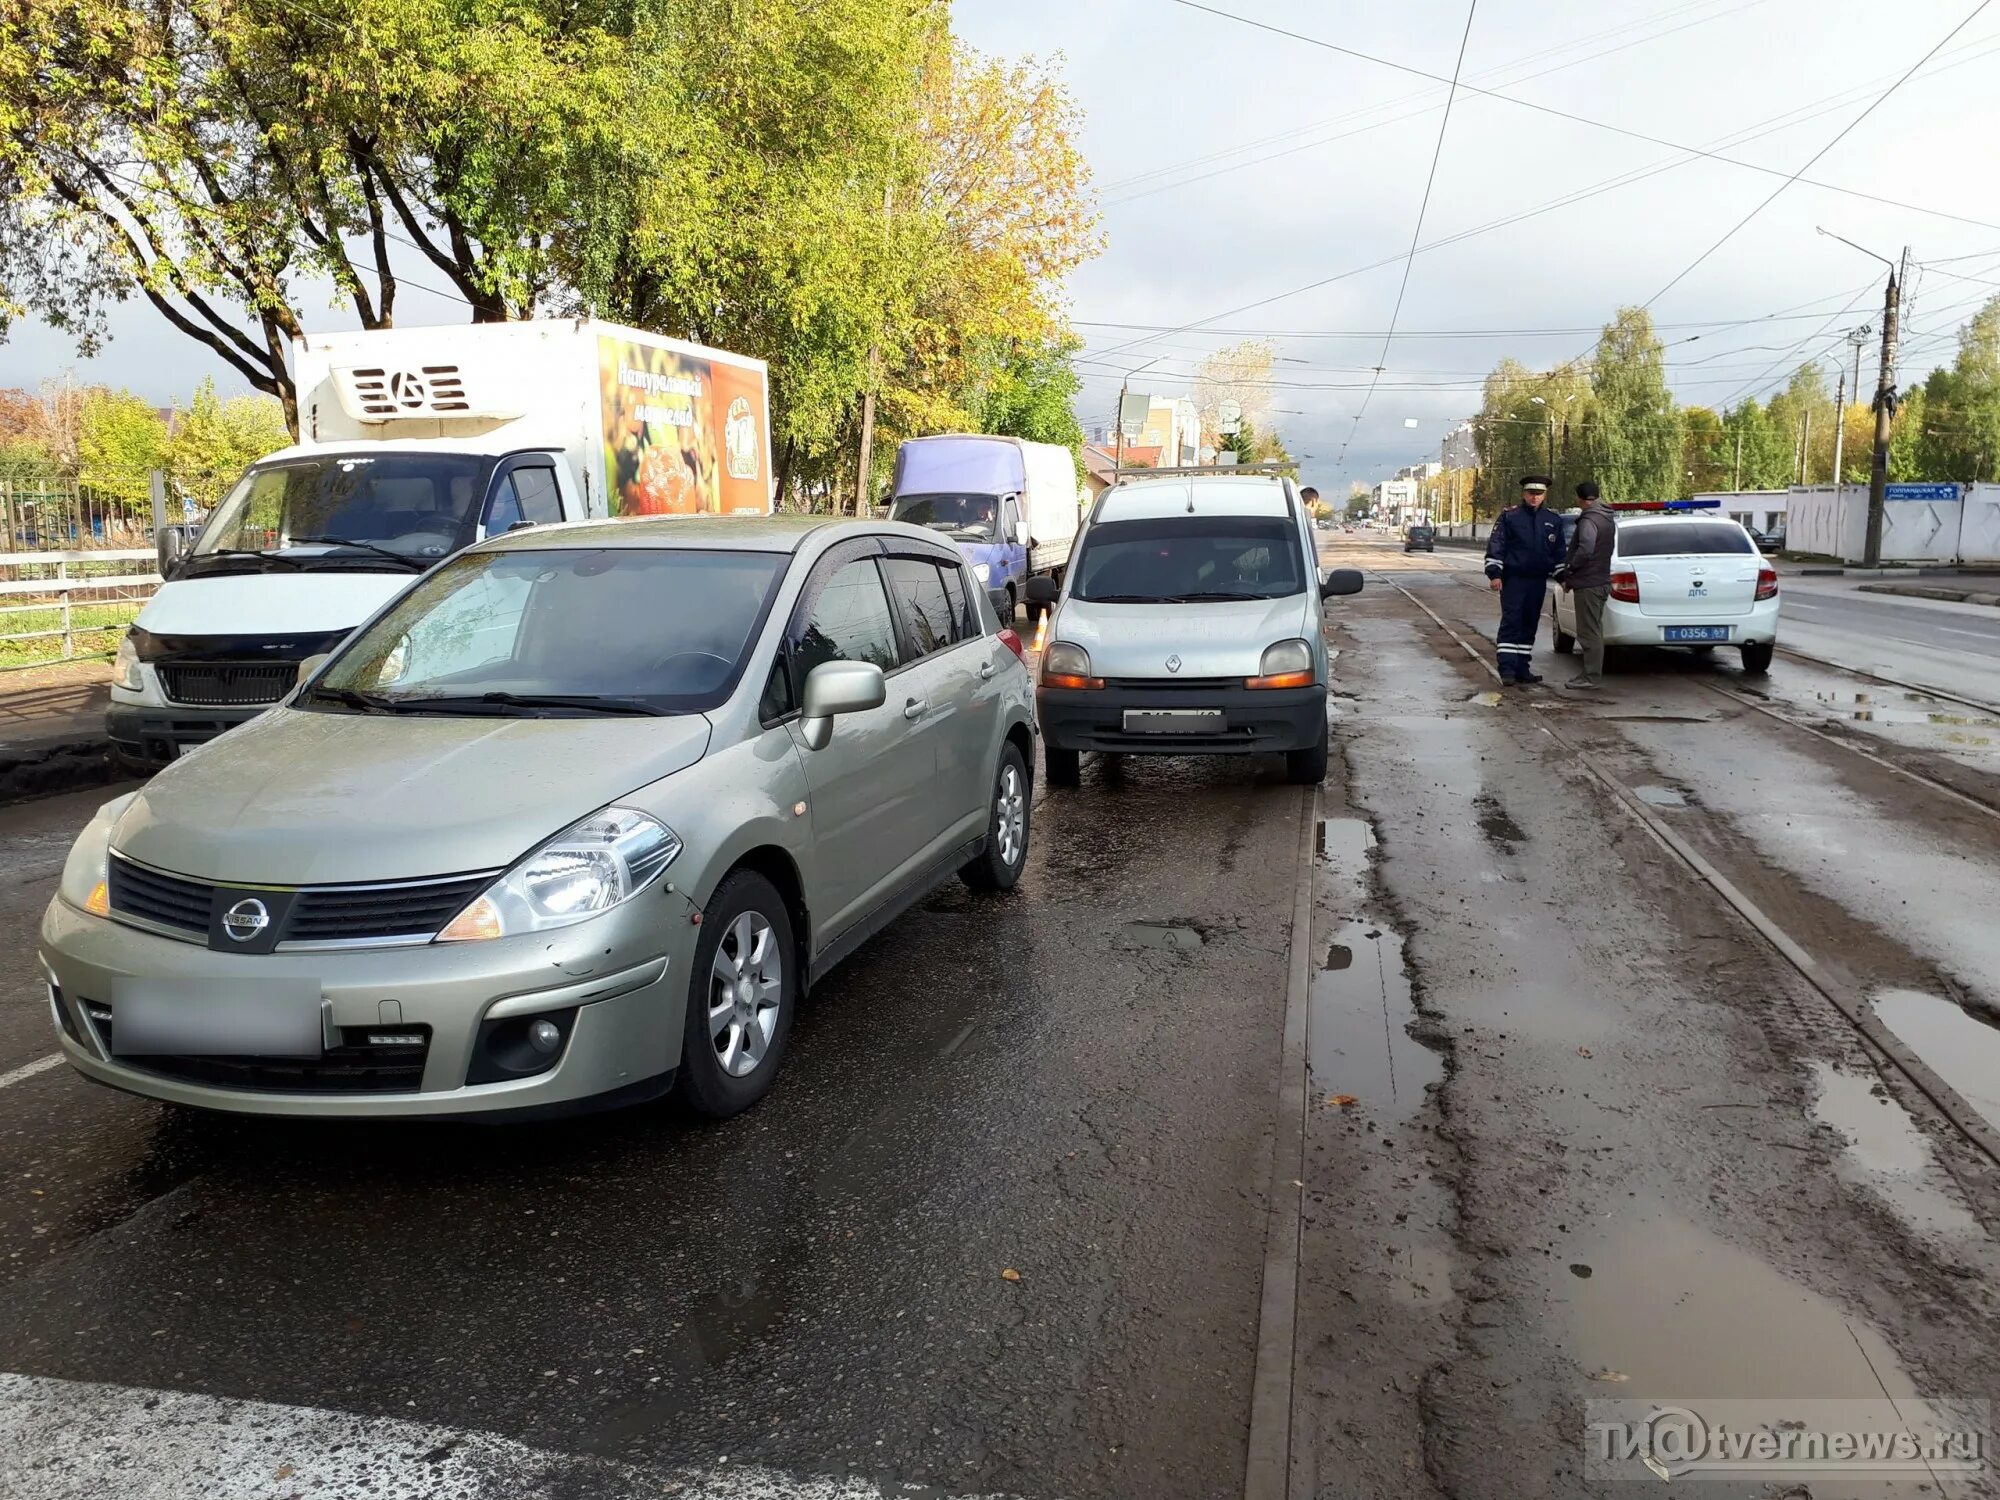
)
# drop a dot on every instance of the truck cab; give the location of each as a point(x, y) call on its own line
point(308, 544)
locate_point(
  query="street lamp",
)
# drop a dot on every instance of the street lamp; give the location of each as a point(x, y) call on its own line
point(1885, 401)
point(1124, 386)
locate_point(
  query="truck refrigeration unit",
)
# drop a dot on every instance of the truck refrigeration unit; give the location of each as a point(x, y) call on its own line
point(414, 443)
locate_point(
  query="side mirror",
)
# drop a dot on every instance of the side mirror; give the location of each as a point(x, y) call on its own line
point(1340, 581)
point(838, 687)
point(1021, 537)
point(309, 668)
point(171, 545)
point(1042, 591)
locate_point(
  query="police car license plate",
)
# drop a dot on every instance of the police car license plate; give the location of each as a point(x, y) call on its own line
point(1695, 633)
point(1175, 721)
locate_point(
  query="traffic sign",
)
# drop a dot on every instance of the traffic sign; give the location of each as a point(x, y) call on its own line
point(1920, 492)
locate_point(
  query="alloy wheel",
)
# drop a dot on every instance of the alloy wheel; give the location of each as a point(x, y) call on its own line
point(746, 984)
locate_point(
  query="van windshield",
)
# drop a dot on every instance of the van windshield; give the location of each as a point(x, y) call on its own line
point(969, 516)
point(416, 507)
point(1180, 559)
point(560, 631)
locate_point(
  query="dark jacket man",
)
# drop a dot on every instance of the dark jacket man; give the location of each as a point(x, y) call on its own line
point(1588, 565)
point(1525, 548)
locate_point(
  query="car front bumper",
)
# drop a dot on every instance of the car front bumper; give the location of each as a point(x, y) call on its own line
point(156, 735)
point(1256, 720)
point(624, 1000)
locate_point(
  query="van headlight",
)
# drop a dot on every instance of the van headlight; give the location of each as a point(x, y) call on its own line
point(588, 868)
point(982, 571)
point(86, 875)
point(125, 666)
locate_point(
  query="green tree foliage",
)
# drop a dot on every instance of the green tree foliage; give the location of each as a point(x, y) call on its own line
point(1634, 445)
point(1029, 393)
point(121, 441)
point(1907, 459)
point(1759, 458)
point(1956, 433)
point(214, 441)
point(1707, 452)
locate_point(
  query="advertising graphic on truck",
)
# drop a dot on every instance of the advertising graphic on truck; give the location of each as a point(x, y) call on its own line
point(683, 435)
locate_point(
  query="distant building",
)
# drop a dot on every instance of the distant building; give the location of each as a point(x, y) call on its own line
point(1461, 450)
point(1168, 423)
point(1396, 500)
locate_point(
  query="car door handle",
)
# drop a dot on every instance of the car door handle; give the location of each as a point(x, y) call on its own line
point(914, 709)
point(985, 670)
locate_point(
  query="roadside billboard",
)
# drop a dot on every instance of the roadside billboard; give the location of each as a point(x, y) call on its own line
point(683, 435)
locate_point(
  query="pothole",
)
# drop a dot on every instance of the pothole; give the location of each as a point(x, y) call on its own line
point(1175, 937)
point(1961, 1049)
point(1660, 796)
point(1358, 1045)
point(1887, 1153)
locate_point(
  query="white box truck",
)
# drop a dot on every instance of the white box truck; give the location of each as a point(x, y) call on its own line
point(414, 443)
point(1011, 506)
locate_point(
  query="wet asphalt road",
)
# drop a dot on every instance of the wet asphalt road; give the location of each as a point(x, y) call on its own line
point(1571, 1129)
point(997, 1083)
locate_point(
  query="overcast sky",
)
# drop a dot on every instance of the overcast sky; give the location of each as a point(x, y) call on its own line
point(1237, 166)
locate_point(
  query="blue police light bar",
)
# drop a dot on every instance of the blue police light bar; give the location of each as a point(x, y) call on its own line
point(1666, 505)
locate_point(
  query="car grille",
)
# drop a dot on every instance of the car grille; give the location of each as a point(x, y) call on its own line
point(1174, 684)
point(320, 914)
point(356, 1066)
point(228, 684)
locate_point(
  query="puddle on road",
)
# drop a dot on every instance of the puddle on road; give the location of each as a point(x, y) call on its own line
point(1961, 1049)
point(1904, 708)
point(1660, 796)
point(1682, 1313)
point(1497, 824)
point(1176, 937)
point(1887, 1153)
point(1342, 845)
point(1357, 1025)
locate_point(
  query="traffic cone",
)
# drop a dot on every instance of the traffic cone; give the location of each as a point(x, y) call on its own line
point(1041, 631)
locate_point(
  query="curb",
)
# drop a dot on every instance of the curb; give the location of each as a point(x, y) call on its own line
point(46, 767)
point(1929, 591)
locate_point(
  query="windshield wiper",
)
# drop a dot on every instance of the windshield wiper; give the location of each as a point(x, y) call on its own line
point(414, 564)
point(367, 703)
point(261, 556)
point(1123, 599)
point(1214, 597)
point(590, 703)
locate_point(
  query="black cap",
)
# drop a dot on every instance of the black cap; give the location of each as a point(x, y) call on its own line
point(1587, 490)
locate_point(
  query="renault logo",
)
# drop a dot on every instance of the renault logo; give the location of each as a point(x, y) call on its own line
point(246, 919)
point(1173, 664)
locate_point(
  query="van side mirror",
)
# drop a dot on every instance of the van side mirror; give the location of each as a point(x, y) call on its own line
point(1340, 581)
point(171, 545)
point(1021, 537)
point(1042, 591)
point(834, 688)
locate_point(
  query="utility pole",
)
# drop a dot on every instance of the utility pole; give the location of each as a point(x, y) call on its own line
point(1736, 479)
point(1857, 338)
point(1839, 426)
point(1805, 449)
point(1885, 411)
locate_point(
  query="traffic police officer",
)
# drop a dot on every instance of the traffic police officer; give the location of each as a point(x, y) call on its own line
point(1525, 548)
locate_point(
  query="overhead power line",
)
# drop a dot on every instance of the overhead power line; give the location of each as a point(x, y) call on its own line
point(1563, 114)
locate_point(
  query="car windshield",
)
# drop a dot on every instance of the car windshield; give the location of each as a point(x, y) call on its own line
point(418, 506)
point(555, 630)
point(1682, 539)
point(1177, 558)
point(961, 515)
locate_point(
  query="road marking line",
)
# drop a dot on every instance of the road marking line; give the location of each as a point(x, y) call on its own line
point(83, 1441)
point(29, 1070)
point(1978, 635)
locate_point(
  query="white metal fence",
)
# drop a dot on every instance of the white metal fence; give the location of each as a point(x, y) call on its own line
point(56, 606)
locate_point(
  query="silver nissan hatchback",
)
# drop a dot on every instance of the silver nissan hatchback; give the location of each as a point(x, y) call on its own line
point(576, 819)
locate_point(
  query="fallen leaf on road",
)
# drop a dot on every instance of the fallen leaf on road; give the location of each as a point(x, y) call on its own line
point(1010, 1274)
point(1345, 1101)
point(1612, 1375)
point(285, 1471)
point(1583, 1052)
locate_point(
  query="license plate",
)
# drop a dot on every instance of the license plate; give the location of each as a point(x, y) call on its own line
point(164, 1017)
point(1175, 721)
point(1695, 633)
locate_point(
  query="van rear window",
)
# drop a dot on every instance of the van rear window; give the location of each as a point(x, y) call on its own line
point(1681, 539)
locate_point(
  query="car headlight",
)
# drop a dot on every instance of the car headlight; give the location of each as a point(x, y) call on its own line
point(125, 666)
point(588, 868)
point(982, 571)
point(86, 875)
point(1067, 666)
point(1288, 664)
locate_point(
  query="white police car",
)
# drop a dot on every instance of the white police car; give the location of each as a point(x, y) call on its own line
point(1683, 576)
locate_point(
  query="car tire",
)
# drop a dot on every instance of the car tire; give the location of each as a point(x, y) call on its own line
point(1013, 604)
point(746, 932)
point(1307, 767)
point(1757, 657)
point(999, 865)
point(1565, 643)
